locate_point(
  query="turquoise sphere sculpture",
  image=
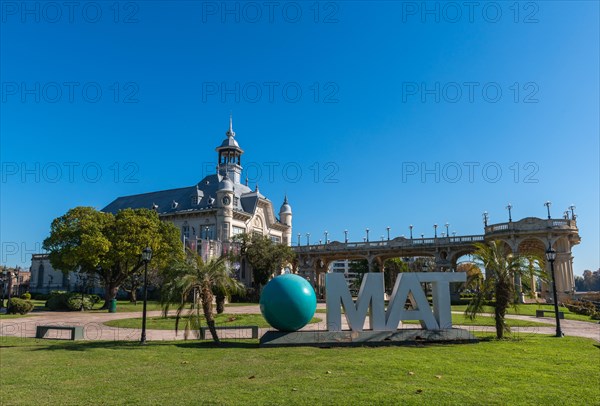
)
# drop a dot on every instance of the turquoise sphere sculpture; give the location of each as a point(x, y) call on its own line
point(288, 302)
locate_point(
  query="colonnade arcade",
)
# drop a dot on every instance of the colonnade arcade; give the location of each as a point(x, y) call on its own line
point(527, 236)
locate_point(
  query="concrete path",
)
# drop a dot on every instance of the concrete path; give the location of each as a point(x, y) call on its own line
point(95, 329)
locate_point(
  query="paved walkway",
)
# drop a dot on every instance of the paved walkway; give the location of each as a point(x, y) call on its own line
point(95, 329)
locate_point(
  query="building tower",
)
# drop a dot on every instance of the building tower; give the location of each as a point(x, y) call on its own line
point(224, 203)
point(285, 216)
point(230, 153)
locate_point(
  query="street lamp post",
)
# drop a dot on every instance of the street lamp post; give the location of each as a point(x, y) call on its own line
point(367, 235)
point(388, 232)
point(326, 235)
point(485, 218)
point(551, 256)
point(572, 208)
point(548, 204)
point(346, 236)
point(435, 231)
point(447, 232)
point(307, 238)
point(410, 228)
point(298, 239)
point(509, 208)
point(146, 257)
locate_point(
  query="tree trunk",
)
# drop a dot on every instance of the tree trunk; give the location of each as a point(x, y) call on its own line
point(207, 299)
point(133, 296)
point(110, 293)
point(220, 303)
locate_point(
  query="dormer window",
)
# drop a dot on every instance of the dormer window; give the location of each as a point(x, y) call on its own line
point(154, 207)
point(174, 204)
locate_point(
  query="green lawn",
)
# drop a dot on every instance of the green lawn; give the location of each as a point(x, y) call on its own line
point(160, 323)
point(459, 319)
point(529, 310)
point(534, 370)
point(524, 309)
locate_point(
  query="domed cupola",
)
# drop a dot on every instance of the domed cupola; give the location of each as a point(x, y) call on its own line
point(285, 207)
point(230, 153)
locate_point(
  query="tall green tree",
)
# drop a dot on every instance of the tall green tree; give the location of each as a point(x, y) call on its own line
point(474, 275)
point(391, 268)
point(193, 282)
point(90, 241)
point(265, 257)
point(501, 268)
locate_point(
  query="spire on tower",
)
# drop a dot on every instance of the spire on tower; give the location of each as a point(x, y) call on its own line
point(230, 132)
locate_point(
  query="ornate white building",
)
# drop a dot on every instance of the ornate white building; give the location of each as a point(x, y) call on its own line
point(217, 208)
point(208, 214)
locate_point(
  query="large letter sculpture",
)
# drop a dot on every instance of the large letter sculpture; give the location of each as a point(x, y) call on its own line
point(371, 300)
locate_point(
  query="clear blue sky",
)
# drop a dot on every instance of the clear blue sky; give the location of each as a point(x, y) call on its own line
point(387, 89)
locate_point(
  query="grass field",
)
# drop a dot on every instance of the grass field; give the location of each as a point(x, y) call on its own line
point(529, 310)
point(523, 309)
point(534, 370)
point(461, 320)
point(160, 323)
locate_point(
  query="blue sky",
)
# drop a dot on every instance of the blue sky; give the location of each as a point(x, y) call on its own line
point(367, 114)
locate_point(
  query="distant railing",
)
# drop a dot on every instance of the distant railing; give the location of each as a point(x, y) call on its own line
point(390, 244)
point(517, 226)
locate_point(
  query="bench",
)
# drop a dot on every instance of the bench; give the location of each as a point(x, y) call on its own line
point(540, 313)
point(254, 329)
point(76, 331)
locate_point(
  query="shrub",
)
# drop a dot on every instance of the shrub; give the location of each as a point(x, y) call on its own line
point(74, 302)
point(94, 299)
point(40, 296)
point(26, 296)
point(582, 307)
point(16, 305)
point(68, 301)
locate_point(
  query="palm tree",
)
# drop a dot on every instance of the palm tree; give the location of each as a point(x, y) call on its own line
point(501, 268)
point(194, 279)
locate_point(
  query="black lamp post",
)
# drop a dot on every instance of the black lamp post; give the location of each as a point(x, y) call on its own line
point(307, 238)
point(367, 230)
point(485, 218)
point(551, 256)
point(509, 208)
point(572, 208)
point(548, 204)
point(326, 235)
point(298, 239)
point(388, 232)
point(435, 231)
point(146, 257)
point(447, 232)
point(346, 236)
point(410, 228)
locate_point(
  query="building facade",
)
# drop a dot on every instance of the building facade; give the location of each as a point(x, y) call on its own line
point(210, 213)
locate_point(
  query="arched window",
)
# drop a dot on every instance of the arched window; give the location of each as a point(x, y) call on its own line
point(40, 280)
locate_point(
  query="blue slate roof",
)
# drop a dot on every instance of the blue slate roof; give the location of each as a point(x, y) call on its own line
point(164, 201)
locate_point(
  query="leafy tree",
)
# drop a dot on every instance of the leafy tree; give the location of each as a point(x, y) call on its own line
point(474, 275)
point(107, 245)
point(501, 267)
point(391, 268)
point(265, 257)
point(194, 279)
